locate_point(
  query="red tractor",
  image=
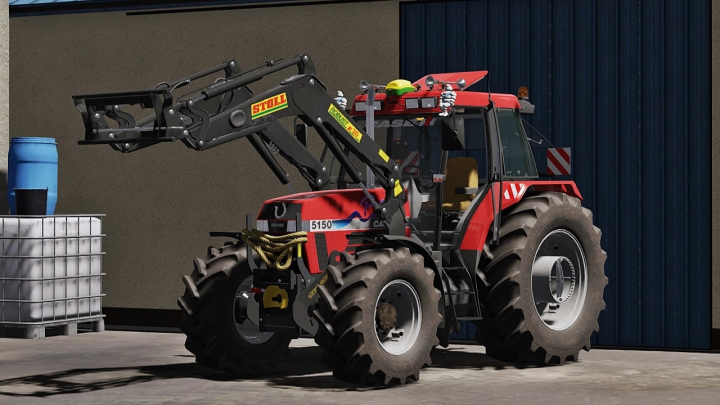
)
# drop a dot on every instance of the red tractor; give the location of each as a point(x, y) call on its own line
point(393, 246)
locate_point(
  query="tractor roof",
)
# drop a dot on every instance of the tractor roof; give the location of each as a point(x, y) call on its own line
point(452, 78)
point(395, 105)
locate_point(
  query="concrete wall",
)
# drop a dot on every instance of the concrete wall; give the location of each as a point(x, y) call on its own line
point(161, 202)
point(716, 167)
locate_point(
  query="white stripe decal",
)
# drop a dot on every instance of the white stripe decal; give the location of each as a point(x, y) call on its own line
point(517, 191)
point(521, 191)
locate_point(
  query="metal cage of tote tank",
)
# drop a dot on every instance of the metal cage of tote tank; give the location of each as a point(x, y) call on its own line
point(51, 272)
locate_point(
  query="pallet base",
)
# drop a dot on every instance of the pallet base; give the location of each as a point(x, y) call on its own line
point(37, 331)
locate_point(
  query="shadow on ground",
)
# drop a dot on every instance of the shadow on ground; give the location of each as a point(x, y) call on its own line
point(303, 369)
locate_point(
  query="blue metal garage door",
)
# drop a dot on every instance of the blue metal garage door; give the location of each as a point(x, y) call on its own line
point(626, 85)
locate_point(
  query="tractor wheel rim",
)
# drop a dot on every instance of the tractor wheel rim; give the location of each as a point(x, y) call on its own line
point(404, 333)
point(248, 330)
point(559, 279)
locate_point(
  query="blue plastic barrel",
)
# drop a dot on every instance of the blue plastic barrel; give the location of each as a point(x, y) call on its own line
point(33, 164)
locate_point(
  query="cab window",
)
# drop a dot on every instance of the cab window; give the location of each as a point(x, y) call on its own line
point(518, 158)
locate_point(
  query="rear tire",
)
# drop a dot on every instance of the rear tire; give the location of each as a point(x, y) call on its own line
point(357, 347)
point(514, 327)
point(208, 317)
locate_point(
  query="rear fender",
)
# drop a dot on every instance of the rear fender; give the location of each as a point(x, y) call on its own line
point(479, 224)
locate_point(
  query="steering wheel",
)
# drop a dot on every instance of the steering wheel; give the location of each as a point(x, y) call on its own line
point(421, 177)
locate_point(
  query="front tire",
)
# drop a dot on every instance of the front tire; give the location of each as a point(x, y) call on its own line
point(528, 317)
point(378, 316)
point(214, 336)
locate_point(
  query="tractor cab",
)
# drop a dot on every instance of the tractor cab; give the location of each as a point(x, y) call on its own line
point(439, 136)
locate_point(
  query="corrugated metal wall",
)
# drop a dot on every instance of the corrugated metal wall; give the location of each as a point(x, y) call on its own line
point(626, 85)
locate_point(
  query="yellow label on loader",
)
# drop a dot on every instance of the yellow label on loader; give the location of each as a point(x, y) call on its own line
point(384, 155)
point(349, 127)
point(269, 106)
point(398, 188)
point(314, 290)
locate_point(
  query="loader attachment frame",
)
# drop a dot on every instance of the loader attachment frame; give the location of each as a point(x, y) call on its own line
point(227, 110)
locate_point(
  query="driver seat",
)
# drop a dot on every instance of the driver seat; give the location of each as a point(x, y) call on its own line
point(461, 172)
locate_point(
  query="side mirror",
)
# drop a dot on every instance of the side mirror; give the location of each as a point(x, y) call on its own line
point(526, 108)
point(453, 133)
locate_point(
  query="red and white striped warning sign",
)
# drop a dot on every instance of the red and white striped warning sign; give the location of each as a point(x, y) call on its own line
point(558, 161)
point(412, 160)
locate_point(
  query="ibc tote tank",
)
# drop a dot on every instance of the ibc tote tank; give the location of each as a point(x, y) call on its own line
point(33, 164)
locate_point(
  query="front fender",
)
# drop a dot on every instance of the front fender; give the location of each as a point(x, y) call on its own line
point(417, 246)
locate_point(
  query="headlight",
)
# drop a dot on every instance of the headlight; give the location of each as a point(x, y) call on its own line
point(362, 106)
point(429, 102)
point(411, 103)
point(262, 225)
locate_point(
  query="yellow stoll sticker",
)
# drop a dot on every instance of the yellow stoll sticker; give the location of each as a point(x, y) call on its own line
point(384, 155)
point(349, 127)
point(398, 188)
point(268, 106)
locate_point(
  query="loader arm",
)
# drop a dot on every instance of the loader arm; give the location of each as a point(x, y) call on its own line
point(228, 110)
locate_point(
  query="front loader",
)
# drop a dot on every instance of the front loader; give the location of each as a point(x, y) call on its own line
point(393, 246)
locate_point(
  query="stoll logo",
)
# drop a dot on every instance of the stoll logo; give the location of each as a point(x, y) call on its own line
point(269, 106)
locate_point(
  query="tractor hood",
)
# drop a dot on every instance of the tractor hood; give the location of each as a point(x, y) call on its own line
point(333, 219)
point(328, 210)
